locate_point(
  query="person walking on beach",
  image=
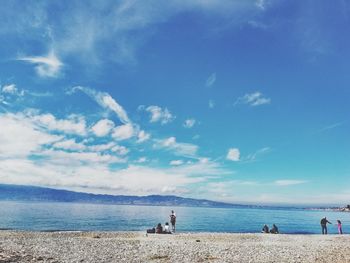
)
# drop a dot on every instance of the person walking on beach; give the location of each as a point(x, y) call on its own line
point(340, 230)
point(324, 222)
point(173, 220)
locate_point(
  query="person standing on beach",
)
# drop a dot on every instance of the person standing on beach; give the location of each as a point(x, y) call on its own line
point(340, 230)
point(173, 220)
point(324, 222)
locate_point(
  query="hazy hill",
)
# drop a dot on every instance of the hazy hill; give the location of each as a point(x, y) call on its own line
point(34, 193)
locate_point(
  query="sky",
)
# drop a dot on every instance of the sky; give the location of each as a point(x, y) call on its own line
point(242, 101)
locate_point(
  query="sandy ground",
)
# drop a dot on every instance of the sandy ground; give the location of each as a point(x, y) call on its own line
point(190, 247)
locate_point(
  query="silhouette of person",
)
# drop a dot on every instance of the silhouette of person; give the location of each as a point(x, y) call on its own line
point(324, 222)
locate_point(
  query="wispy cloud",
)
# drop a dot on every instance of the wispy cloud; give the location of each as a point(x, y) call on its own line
point(189, 123)
point(253, 99)
point(332, 126)
point(106, 101)
point(45, 66)
point(81, 29)
point(157, 114)
point(211, 80)
point(143, 136)
point(233, 154)
point(211, 104)
point(261, 4)
point(11, 89)
point(177, 148)
point(176, 162)
point(289, 182)
point(253, 156)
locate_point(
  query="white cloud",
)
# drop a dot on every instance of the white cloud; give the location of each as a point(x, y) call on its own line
point(20, 137)
point(121, 150)
point(74, 124)
point(211, 80)
point(106, 101)
point(46, 66)
point(31, 155)
point(102, 127)
point(160, 115)
point(205, 168)
point(64, 158)
point(141, 160)
point(133, 180)
point(189, 123)
point(80, 30)
point(253, 99)
point(182, 149)
point(233, 154)
point(101, 147)
point(289, 182)
point(176, 162)
point(143, 136)
point(123, 132)
point(12, 89)
point(70, 144)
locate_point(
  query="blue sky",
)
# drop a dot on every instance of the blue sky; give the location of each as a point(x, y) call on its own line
point(238, 101)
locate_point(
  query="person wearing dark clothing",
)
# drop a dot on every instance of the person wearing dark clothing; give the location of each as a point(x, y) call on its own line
point(324, 222)
point(274, 229)
point(265, 229)
point(159, 229)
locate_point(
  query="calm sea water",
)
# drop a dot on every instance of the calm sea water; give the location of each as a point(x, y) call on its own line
point(72, 216)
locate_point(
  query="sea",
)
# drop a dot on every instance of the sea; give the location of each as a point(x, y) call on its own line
point(54, 216)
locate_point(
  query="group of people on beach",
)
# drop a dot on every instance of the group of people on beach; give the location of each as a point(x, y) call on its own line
point(159, 229)
point(324, 223)
point(273, 230)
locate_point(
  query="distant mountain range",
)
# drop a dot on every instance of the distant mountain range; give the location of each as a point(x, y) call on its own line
point(34, 193)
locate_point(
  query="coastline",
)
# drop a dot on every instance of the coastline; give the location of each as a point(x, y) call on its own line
point(81, 246)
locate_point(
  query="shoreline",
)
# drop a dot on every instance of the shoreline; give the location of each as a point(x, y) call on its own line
point(136, 246)
point(144, 231)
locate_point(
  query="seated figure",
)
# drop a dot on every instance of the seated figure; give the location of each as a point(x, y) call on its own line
point(167, 228)
point(265, 229)
point(159, 229)
point(274, 229)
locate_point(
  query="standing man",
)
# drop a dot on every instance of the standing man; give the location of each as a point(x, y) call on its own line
point(173, 220)
point(324, 222)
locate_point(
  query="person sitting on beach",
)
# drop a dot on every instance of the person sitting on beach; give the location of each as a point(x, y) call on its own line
point(151, 230)
point(265, 229)
point(173, 220)
point(340, 230)
point(324, 222)
point(274, 229)
point(166, 228)
point(159, 229)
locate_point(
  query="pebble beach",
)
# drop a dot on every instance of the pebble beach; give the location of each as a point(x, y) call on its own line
point(19, 246)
